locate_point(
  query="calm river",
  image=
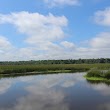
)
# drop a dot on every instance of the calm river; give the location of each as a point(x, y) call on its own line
point(53, 92)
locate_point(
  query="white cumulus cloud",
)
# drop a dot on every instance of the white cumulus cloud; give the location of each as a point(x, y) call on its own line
point(68, 45)
point(37, 26)
point(102, 17)
point(4, 44)
point(102, 40)
point(45, 39)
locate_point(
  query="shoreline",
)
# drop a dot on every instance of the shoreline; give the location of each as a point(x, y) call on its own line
point(37, 73)
point(100, 79)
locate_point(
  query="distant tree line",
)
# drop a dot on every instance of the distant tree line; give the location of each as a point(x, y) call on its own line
point(68, 61)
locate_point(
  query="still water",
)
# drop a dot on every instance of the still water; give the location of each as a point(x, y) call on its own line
point(53, 92)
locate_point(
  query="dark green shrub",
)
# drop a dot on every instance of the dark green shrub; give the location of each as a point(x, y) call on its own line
point(94, 73)
point(107, 75)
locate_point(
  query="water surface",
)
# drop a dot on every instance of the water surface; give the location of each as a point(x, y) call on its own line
point(53, 92)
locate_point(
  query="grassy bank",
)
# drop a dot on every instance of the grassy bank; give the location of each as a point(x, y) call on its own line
point(98, 75)
point(97, 79)
point(53, 68)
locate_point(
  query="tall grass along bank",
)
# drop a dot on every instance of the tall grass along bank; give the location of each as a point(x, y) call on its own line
point(98, 75)
point(52, 68)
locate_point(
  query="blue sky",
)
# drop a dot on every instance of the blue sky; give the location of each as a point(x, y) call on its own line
point(54, 29)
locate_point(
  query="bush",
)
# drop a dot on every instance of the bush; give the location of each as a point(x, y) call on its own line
point(94, 73)
point(99, 73)
point(107, 75)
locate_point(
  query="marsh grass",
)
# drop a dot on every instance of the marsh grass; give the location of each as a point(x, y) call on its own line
point(98, 75)
point(94, 73)
point(94, 80)
point(52, 68)
point(8, 69)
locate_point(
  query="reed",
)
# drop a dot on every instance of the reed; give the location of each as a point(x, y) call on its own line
point(13, 69)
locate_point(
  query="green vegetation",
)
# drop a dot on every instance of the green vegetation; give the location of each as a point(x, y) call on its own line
point(14, 68)
point(55, 66)
point(68, 61)
point(97, 79)
point(98, 75)
point(9, 69)
point(6, 70)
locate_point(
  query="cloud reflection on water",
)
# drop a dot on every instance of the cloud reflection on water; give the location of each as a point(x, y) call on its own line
point(5, 85)
point(47, 92)
point(102, 88)
point(43, 93)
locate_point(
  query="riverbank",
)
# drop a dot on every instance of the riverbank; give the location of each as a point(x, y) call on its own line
point(15, 70)
point(98, 75)
point(96, 79)
point(35, 73)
